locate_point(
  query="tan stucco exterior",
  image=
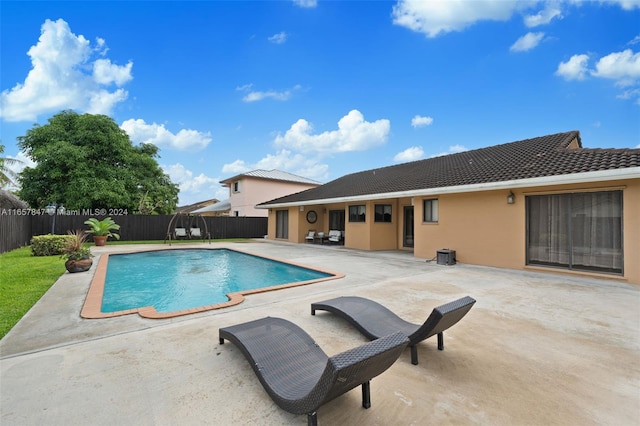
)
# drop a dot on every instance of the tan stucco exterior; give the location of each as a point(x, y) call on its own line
point(252, 191)
point(480, 226)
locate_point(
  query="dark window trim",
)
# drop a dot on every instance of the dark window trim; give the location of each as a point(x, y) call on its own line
point(382, 217)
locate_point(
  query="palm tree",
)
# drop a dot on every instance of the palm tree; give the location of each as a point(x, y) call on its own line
point(7, 175)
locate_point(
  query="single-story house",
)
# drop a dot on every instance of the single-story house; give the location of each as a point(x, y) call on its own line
point(544, 203)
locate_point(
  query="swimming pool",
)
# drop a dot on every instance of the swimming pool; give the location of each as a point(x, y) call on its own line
point(166, 283)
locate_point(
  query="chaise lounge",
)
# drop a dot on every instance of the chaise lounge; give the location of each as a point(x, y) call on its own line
point(374, 320)
point(298, 375)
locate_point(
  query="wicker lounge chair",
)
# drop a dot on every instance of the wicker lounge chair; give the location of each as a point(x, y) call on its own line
point(298, 375)
point(374, 320)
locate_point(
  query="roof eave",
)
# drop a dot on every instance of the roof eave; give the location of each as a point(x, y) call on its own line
point(574, 178)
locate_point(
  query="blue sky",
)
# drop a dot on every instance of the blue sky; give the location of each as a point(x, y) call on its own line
point(322, 88)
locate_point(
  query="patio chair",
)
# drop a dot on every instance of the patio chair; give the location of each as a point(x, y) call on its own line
point(195, 233)
point(334, 236)
point(310, 236)
point(180, 233)
point(298, 375)
point(374, 320)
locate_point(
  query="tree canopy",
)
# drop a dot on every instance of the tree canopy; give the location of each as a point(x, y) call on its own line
point(88, 162)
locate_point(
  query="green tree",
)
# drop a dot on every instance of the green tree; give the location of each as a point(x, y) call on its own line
point(88, 162)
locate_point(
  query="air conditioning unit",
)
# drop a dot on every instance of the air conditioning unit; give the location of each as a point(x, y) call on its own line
point(446, 257)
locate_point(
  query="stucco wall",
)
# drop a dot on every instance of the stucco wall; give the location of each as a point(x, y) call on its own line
point(480, 226)
point(254, 191)
point(485, 230)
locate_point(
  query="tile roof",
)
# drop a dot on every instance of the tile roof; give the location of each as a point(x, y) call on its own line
point(544, 156)
point(272, 175)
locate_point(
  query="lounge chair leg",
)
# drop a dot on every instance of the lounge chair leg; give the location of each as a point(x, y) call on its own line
point(441, 341)
point(221, 341)
point(366, 394)
point(414, 355)
point(312, 419)
point(313, 311)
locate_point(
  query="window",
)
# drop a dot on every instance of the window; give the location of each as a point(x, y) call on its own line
point(357, 213)
point(383, 213)
point(430, 210)
point(576, 231)
point(236, 186)
point(282, 224)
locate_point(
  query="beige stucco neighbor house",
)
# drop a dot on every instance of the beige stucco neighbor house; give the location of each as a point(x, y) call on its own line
point(257, 186)
point(544, 203)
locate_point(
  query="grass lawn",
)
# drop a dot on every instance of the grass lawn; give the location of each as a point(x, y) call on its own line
point(24, 279)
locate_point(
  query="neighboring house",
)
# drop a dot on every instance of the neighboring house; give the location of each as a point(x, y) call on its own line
point(191, 208)
point(540, 204)
point(220, 208)
point(251, 188)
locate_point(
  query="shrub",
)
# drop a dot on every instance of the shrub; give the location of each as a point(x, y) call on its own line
point(49, 245)
point(74, 248)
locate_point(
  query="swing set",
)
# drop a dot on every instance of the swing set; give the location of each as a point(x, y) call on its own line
point(195, 229)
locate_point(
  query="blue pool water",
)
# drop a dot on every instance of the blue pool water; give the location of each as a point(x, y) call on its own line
point(174, 280)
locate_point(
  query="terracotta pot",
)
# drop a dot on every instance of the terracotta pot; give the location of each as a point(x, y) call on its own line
point(100, 240)
point(80, 265)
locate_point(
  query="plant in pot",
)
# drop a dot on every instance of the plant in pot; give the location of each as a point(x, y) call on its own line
point(101, 230)
point(78, 257)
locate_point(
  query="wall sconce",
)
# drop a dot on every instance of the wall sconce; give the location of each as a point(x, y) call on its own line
point(511, 198)
point(301, 208)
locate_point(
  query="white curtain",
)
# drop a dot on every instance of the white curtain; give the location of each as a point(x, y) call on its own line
point(579, 231)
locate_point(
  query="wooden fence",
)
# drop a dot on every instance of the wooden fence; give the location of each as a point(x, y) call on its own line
point(16, 231)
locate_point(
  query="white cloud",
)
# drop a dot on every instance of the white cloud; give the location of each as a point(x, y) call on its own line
point(254, 96)
point(627, 4)
point(434, 18)
point(279, 38)
point(306, 3)
point(63, 76)
point(194, 188)
point(104, 72)
point(630, 94)
point(286, 160)
point(527, 42)
point(635, 40)
point(419, 121)
point(574, 69)
point(237, 167)
point(624, 67)
point(353, 134)
point(185, 140)
point(437, 17)
point(543, 17)
point(452, 150)
point(409, 154)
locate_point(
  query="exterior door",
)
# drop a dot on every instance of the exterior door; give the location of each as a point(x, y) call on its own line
point(282, 224)
point(407, 240)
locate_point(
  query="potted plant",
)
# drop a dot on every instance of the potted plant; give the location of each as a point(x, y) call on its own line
point(101, 230)
point(78, 257)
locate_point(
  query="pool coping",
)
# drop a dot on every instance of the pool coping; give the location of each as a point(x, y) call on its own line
point(92, 307)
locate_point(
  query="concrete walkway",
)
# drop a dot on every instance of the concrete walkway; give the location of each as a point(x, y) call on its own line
point(536, 349)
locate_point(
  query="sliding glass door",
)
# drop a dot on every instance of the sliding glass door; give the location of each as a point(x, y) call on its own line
point(580, 231)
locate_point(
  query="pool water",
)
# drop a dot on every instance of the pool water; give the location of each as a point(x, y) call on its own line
point(175, 280)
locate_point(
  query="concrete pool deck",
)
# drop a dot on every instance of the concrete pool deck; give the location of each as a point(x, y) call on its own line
point(537, 348)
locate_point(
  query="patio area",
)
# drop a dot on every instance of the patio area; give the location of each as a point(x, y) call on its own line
point(537, 348)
